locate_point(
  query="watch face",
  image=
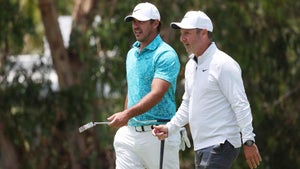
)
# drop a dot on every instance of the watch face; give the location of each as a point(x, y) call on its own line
point(249, 142)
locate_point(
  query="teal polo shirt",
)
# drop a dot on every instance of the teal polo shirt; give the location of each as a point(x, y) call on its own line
point(157, 60)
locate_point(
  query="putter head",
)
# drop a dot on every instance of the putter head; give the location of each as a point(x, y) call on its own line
point(86, 126)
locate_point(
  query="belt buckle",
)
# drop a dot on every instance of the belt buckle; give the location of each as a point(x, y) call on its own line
point(139, 127)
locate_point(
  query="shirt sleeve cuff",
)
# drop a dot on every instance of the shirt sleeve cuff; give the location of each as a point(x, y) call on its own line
point(247, 134)
point(172, 128)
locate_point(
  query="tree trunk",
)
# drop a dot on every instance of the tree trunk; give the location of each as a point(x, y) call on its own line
point(8, 152)
point(83, 15)
point(55, 40)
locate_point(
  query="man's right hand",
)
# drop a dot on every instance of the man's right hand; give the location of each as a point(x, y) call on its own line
point(118, 119)
point(160, 131)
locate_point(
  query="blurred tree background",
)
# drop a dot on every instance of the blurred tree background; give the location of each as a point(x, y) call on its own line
point(39, 124)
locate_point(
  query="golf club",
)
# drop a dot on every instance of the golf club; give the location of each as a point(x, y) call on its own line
point(162, 143)
point(90, 125)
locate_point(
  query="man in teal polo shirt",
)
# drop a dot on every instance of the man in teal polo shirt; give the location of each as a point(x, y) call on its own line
point(152, 67)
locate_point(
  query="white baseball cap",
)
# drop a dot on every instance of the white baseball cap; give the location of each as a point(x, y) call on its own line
point(192, 20)
point(143, 12)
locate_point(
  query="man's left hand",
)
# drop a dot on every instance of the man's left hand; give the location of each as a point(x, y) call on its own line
point(252, 156)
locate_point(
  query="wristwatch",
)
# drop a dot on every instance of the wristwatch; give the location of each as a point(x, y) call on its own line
point(249, 143)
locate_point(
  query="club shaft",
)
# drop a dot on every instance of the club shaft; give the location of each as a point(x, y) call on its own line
point(161, 160)
point(101, 122)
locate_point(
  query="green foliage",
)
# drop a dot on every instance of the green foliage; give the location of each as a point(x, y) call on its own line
point(14, 24)
point(39, 121)
point(263, 36)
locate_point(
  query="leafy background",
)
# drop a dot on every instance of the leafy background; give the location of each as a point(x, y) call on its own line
point(39, 125)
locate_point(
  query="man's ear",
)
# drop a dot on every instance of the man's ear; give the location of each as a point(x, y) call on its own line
point(155, 23)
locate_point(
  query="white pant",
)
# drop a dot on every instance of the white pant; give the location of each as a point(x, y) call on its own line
point(140, 150)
